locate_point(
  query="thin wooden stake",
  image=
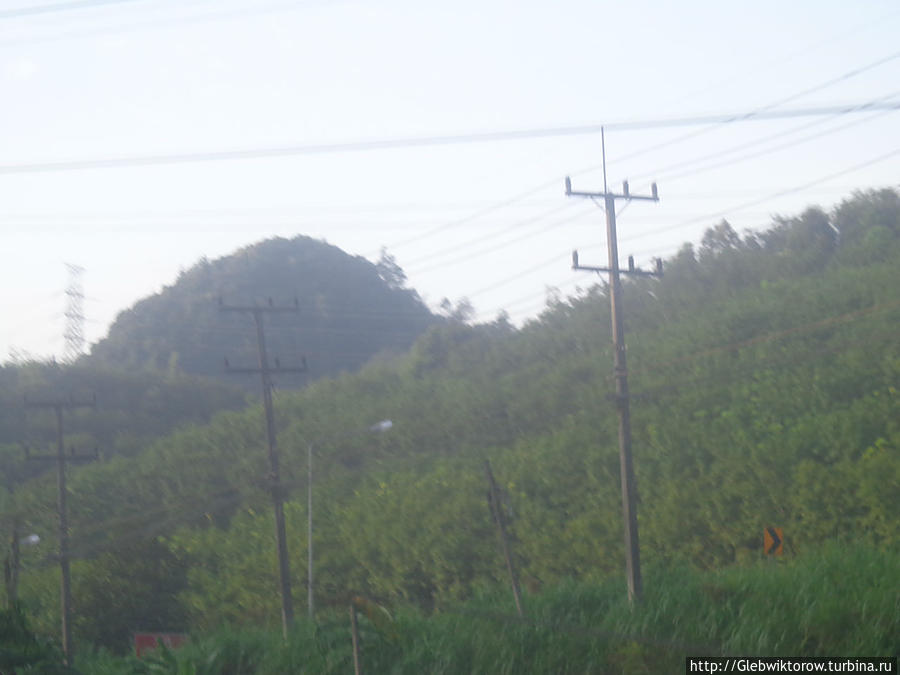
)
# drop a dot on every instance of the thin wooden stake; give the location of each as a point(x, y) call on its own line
point(494, 499)
point(354, 631)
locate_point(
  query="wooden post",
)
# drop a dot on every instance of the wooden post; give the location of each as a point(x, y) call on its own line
point(354, 632)
point(497, 513)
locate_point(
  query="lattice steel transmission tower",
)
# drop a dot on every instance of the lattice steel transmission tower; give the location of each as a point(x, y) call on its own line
point(74, 330)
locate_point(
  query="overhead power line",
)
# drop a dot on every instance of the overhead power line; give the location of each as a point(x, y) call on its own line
point(763, 111)
point(670, 173)
point(834, 80)
point(757, 113)
point(128, 161)
point(780, 61)
point(781, 193)
point(56, 7)
point(257, 9)
point(543, 225)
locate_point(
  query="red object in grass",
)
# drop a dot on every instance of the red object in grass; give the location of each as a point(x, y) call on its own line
point(147, 642)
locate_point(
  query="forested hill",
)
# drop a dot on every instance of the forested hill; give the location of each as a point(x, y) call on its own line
point(765, 380)
point(349, 311)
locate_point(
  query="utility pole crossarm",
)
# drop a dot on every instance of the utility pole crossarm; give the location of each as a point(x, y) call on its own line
point(625, 194)
point(631, 270)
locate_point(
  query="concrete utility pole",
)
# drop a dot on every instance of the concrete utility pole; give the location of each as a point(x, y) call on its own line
point(61, 458)
point(265, 372)
point(626, 464)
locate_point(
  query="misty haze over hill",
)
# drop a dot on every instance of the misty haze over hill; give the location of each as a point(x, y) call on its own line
point(349, 310)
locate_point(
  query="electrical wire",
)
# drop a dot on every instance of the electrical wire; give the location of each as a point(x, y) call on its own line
point(543, 227)
point(257, 9)
point(33, 10)
point(725, 212)
point(709, 167)
point(765, 151)
point(828, 42)
point(516, 226)
point(762, 112)
point(131, 161)
point(755, 202)
point(865, 106)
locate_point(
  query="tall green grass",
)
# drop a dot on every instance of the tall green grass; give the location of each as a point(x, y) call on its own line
point(843, 601)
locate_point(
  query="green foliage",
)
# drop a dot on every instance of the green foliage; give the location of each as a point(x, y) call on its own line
point(22, 650)
point(132, 590)
point(764, 374)
point(132, 410)
point(349, 310)
point(835, 601)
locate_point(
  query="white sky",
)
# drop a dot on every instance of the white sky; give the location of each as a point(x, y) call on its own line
point(82, 80)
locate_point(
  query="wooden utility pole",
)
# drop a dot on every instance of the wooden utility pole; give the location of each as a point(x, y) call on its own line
point(61, 458)
point(265, 373)
point(626, 463)
point(500, 521)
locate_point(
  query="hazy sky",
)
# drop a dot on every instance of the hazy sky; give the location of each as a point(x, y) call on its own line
point(83, 81)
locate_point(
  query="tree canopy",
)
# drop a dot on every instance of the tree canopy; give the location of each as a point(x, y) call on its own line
point(349, 310)
point(764, 374)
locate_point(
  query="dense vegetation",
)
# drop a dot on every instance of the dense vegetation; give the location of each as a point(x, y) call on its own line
point(132, 409)
point(348, 311)
point(764, 373)
point(819, 605)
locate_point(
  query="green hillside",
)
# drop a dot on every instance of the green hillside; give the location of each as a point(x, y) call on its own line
point(161, 366)
point(764, 372)
point(349, 310)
